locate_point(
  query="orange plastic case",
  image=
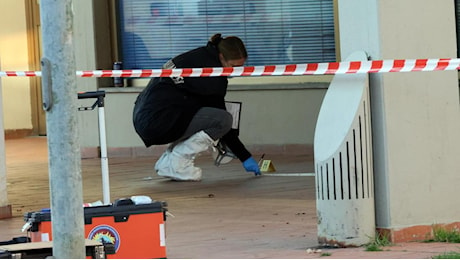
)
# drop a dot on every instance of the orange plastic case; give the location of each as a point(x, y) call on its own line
point(136, 231)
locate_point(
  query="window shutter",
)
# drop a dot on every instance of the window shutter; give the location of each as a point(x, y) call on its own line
point(274, 31)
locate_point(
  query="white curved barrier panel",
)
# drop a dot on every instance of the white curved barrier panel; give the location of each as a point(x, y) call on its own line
point(343, 162)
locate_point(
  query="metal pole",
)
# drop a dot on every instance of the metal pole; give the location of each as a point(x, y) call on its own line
point(61, 121)
point(104, 159)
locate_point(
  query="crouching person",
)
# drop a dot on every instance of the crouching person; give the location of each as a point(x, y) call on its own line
point(189, 112)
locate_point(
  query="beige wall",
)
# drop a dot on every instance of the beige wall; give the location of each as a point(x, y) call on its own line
point(14, 56)
point(422, 113)
point(85, 60)
point(278, 116)
point(269, 117)
point(416, 115)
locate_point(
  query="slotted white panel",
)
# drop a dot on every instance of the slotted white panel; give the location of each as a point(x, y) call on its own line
point(343, 161)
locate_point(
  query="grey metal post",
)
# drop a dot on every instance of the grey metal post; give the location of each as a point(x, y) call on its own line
point(60, 93)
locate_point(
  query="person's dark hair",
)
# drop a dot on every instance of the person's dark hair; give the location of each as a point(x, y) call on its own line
point(231, 47)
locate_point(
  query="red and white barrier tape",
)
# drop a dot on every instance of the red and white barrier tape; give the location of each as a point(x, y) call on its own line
point(333, 68)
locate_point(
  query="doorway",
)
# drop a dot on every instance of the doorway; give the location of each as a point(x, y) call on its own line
point(35, 54)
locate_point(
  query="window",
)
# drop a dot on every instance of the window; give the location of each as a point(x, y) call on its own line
point(274, 31)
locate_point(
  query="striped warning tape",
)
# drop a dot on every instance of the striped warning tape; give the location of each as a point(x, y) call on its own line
point(332, 68)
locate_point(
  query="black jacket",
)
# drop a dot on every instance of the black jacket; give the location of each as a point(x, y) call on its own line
point(164, 109)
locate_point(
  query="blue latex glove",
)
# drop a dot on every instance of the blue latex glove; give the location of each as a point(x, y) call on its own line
point(250, 165)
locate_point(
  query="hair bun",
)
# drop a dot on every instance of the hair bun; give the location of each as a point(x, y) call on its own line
point(216, 38)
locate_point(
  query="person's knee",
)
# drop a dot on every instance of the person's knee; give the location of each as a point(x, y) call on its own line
point(227, 122)
point(216, 122)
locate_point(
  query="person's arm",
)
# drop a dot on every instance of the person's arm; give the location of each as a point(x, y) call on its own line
point(237, 147)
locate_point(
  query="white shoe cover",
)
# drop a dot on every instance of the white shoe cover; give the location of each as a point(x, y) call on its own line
point(178, 164)
point(187, 172)
point(180, 169)
point(163, 162)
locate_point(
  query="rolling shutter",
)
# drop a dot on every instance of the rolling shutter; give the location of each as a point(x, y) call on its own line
point(274, 31)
